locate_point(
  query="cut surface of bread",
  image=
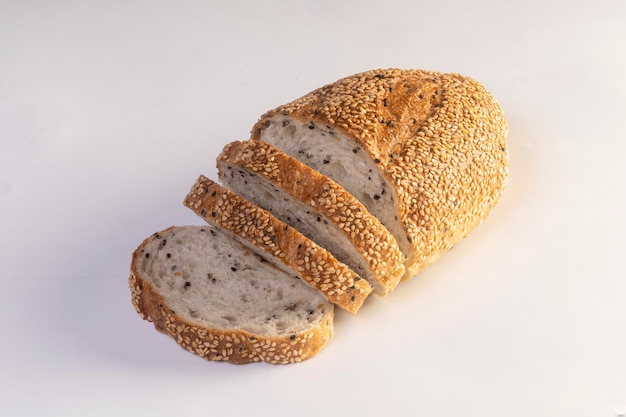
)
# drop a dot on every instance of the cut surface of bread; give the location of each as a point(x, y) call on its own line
point(275, 241)
point(315, 205)
point(425, 152)
point(221, 301)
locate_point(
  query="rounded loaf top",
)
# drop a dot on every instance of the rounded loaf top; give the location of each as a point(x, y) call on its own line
point(438, 138)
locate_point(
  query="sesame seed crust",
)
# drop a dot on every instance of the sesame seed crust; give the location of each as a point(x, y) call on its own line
point(234, 346)
point(438, 139)
point(310, 262)
point(323, 195)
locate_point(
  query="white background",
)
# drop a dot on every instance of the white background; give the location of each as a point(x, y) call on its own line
point(109, 110)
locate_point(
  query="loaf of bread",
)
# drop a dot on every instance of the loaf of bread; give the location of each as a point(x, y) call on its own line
point(222, 301)
point(425, 152)
point(315, 205)
point(374, 176)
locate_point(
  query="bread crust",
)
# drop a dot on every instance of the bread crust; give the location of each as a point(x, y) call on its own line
point(369, 237)
point(234, 346)
point(438, 139)
point(338, 283)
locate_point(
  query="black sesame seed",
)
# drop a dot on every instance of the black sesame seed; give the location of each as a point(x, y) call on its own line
point(379, 76)
point(147, 255)
point(285, 123)
point(353, 298)
point(203, 213)
point(187, 284)
point(311, 125)
point(385, 102)
point(318, 219)
point(168, 255)
point(376, 197)
point(232, 268)
point(355, 150)
point(213, 214)
point(377, 160)
point(326, 161)
point(292, 337)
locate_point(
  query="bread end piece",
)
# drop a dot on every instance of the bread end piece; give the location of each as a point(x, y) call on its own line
point(233, 346)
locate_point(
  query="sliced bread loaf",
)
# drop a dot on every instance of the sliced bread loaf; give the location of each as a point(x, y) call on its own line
point(221, 301)
point(425, 152)
point(275, 241)
point(316, 206)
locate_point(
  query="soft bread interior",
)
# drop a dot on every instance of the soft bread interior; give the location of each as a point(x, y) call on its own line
point(341, 158)
point(208, 278)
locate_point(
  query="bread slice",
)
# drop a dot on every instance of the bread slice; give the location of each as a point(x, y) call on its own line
point(275, 241)
point(425, 152)
point(316, 206)
point(223, 302)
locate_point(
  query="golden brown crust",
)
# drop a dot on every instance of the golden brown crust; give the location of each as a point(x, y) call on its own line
point(368, 236)
point(338, 283)
point(439, 139)
point(234, 346)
